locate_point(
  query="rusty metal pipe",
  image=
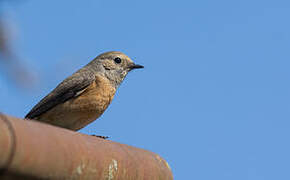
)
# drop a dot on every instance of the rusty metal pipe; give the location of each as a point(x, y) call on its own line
point(33, 150)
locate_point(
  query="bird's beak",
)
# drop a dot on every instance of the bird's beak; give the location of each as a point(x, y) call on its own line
point(136, 66)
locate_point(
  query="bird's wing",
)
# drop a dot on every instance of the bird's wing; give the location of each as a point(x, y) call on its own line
point(71, 87)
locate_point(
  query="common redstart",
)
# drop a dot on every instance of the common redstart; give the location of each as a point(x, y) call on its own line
point(85, 95)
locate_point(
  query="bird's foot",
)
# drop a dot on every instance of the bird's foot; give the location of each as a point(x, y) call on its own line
point(102, 137)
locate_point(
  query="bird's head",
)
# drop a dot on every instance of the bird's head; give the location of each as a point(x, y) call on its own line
point(115, 65)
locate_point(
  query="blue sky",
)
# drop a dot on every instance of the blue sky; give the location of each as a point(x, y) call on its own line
point(213, 99)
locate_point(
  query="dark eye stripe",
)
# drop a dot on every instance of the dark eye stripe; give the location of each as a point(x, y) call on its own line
point(118, 60)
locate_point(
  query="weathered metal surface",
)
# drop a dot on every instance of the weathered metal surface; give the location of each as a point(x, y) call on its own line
point(33, 150)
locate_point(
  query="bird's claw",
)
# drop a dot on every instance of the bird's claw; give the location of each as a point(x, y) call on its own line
point(102, 137)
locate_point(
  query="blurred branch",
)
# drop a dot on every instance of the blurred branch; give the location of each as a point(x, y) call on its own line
point(12, 63)
point(42, 151)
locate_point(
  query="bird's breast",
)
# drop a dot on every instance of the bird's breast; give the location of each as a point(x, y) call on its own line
point(95, 98)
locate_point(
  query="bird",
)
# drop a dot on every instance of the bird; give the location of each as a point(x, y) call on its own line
point(84, 96)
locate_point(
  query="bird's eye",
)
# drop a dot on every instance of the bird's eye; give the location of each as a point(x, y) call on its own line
point(118, 60)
